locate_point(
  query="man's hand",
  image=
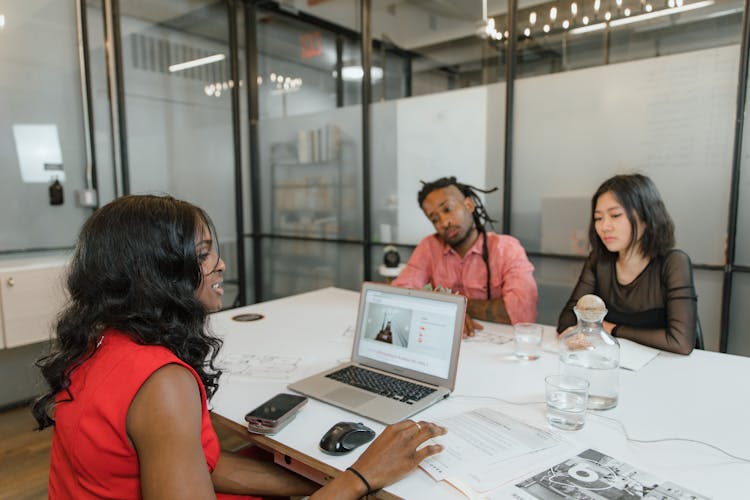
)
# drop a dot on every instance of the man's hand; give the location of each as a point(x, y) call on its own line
point(471, 327)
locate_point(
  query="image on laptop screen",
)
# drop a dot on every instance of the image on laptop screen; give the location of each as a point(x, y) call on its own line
point(410, 332)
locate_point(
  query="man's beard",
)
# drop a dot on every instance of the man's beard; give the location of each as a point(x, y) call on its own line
point(463, 238)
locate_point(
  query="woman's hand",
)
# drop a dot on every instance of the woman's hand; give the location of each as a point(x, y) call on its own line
point(395, 452)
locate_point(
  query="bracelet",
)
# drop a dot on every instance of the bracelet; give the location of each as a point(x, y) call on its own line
point(367, 485)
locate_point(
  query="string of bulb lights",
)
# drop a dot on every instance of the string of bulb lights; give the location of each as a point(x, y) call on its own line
point(582, 17)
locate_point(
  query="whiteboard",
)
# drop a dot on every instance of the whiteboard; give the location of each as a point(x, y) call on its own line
point(669, 117)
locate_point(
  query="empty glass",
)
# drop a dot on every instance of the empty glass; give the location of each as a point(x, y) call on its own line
point(567, 397)
point(528, 340)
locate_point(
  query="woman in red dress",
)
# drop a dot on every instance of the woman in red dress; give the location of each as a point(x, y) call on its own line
point(133, 367)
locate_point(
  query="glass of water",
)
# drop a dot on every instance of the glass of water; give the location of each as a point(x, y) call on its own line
point(566, 401)
point(528, 340)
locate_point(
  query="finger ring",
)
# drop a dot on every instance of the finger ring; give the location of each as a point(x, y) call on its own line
point(419, 427)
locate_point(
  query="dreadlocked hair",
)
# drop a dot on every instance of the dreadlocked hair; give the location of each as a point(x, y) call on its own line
point(480, 215)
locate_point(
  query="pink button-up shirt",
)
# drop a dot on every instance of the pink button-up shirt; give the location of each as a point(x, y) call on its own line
point(511, 272)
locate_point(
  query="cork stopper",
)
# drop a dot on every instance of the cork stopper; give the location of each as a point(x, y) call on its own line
point(591, 308)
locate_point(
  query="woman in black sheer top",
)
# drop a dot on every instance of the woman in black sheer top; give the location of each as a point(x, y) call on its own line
point(646, 284)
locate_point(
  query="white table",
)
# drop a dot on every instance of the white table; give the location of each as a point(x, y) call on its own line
point(703, 396)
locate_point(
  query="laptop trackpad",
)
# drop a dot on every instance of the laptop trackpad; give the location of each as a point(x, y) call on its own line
point(349, 397)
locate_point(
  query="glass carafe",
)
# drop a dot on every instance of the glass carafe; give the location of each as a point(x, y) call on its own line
point(591, 353)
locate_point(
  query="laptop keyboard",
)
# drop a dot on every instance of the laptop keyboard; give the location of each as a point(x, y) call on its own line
point(384, 385)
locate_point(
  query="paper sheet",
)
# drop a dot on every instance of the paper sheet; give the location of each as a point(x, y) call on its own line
point(593, 474)
point(267, 366)
point(485, 337)
point(479, 439)
point(634, 356)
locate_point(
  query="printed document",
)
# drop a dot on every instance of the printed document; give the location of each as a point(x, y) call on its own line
point(478, 439)
point(594, 475)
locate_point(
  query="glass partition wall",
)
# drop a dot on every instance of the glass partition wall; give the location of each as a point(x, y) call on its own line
point(327, 178)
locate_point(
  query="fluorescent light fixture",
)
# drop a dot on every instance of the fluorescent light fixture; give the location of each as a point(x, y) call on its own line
point(587, 29)
point(661, 13)
point(356, 73)
point(196, 62)
point(722, 13)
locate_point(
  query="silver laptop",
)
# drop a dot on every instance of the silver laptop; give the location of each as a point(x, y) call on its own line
point(405, 354)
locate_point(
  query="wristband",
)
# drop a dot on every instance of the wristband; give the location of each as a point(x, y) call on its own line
point(367, 485)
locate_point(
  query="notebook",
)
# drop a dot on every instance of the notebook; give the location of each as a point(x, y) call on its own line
point(405, 354)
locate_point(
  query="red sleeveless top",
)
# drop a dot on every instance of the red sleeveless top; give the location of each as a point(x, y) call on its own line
point(91, 454)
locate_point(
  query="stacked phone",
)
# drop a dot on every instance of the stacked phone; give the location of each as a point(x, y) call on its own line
point(274, 414)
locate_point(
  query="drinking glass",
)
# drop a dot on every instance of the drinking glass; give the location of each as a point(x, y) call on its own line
point(566, 401)
point(528, 340)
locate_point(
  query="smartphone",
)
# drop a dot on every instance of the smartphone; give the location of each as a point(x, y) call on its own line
point(274, 414)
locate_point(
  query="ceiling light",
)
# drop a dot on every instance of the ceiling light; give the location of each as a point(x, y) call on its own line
point(532, 18)
point(607, 16)
point(196, 62)
point(545, 28)
point(553, 13)
point(597, 4)
point(619, 3)
point(565, 24)
point(356, 73)
point(585, 20)
point(574, 9)
point(527, 32)
point(2, 21)
point(626, 12)
point(649, 8)
point(587, 29)
point(661, 13)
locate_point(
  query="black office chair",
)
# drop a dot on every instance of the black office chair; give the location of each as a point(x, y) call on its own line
point(698, 335)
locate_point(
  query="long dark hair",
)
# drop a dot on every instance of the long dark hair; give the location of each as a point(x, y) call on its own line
point(638, 196)
point(134, 269)
point(480, 215)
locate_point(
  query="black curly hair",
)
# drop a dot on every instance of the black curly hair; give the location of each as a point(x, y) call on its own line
point(480, 215)
point(639, 197)
point(135, 269)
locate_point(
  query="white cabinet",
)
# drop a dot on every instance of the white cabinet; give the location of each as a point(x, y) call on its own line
point(31, 295)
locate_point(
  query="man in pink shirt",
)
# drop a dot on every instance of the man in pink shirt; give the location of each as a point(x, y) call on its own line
point(491, 270)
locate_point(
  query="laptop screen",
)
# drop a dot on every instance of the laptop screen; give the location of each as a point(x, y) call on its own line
point(414, 333)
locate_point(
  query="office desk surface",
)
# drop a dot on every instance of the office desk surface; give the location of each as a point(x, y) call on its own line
point(703, 396)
